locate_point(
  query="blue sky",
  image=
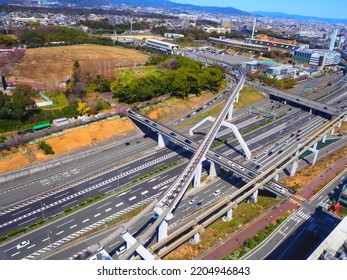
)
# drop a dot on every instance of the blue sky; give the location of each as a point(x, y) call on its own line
point(317, 8)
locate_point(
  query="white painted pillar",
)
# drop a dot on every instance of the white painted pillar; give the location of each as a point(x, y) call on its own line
point(339, 124)
point(197, 177)
point(314, 147)
point(196, 238)
point(294, 167)
point(214, 170)
point(163, 141)
point(276, 177)
point(162, 231)
point(332, 130)
point(324, 138)
point(230, 112)
point(254, 197)
point(229, 216)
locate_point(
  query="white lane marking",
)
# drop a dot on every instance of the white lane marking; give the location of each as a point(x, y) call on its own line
point(119, 204)
point(109, 209)
point(35, 218)
point(95, 181)
point(15, 254)
point(60, 195)
point(103, 205)
point(144, 192)
point(65, 223)
point(97, 215)
point(43, 240)
point(60, 232)
point(20, 211)
point(132, 198)
point(73, 226)
point(86, 220)
point(31, 246)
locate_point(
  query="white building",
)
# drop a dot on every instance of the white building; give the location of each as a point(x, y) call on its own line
point(162, 46)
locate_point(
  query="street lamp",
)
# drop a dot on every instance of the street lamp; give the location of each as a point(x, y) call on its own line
point(42, 205)
point(49, 237)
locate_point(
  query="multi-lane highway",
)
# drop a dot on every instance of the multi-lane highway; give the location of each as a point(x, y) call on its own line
point(109, 180)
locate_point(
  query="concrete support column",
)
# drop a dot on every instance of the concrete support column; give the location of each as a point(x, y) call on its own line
point(230, 112)
point(276, 177)
point(314, 147)
point(163, 141)
point(332, 130)
point(237, 96)
point(197, 177)
point(310, 110)
point(294, 168)
point(254, 197)
point(162, 230)
point(214, 170)
point(315, 156)
point(196, 238)
point(324, 138)
point(229, 216)
point(339, 124)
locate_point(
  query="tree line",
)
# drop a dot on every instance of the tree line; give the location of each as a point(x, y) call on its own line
point(183, 77)
point(45, 35)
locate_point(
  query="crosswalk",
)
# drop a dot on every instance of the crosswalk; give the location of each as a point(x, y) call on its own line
point(299, 216)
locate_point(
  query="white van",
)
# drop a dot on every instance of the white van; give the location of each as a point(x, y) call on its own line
point(217, 192)
point(121, 250)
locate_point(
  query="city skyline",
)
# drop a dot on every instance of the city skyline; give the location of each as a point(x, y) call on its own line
point(336, 8)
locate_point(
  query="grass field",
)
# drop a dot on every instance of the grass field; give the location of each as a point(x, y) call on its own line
point(129, 74)
point(45, 68)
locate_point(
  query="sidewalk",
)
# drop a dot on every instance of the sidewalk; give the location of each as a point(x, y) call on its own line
point(237, 239)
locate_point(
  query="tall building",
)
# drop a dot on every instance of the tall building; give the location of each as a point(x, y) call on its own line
point(333, 39)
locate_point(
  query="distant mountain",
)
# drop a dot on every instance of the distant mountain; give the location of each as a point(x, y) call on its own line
point(293, 16)
point(179, 7)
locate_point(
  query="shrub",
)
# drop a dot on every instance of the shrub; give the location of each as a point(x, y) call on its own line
point(39, 221)
point(146, 175)
point(12, 232)
point(31, 225)
point(21, 229)
point(89, 199)
point(46, 148)
point(67, 209)
point(135, 180)
point(151, 173)
point(2, 237)
point(82, 203)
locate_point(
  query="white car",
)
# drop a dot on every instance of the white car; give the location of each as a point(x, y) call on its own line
point(23, 244)
point(192, 201)
point(217, 192)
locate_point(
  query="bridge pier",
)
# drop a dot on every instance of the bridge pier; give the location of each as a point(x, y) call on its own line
point(314, 147)
point(324, 138)
point(276, 178)
point(230, 112)
point(196, 238)
point(229, 216)
point(332, 130)
point(294, 168)
point(339, 125)
point(315, 156)
point(197, 176)
point(229, 125)
point(254, 197)
point(163, 141)
point(142, 251)
point(214, 170)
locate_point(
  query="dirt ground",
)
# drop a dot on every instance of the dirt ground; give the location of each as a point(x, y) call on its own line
point(56, 63)
point(77, 138)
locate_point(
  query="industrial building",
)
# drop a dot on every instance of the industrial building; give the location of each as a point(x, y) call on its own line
point(173, 35)
point(162, 46)
point(317, 58)
point(238, 44)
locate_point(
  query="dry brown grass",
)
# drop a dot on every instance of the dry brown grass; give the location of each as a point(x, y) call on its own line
point(307, 174)
point(175, 108)
point(49, 66)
